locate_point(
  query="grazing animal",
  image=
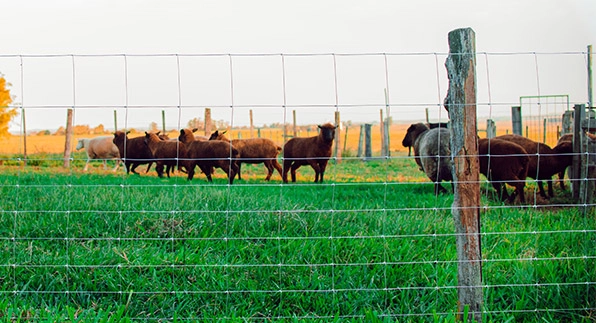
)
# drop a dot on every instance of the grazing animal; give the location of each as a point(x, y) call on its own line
point(209, 154)
point(166, 152)
point(544, 160)
point(433, 125)
point(503, 162)
point(430, 125)
point(567, 137)
point(314, 151)
point(254, 151)
point(197, 137)
point(99, 148)
point(432, 152)
point(133, 151)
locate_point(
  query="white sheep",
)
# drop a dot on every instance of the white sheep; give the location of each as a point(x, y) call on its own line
point(100, 148)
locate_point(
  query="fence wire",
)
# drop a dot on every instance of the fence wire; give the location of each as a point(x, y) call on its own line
point(371, 241)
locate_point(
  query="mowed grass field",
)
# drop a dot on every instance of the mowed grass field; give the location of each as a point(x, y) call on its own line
point(371, 244)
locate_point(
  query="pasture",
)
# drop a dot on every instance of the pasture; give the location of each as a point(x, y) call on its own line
point(49, 144)
point(372, 243)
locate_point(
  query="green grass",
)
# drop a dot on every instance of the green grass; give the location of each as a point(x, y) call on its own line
point(374, 244)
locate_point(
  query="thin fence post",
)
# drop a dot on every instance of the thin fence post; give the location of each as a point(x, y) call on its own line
point(382, 132)
point(491, 128)
point(68, 139)
point(367, 141)
point(207, 121)
point(544, 131)
point(24, 123)
point(516, 119)
point(251, 123)
point(345, 139)
point(575, 168)
point(361, 142)
point(588, 162)
point(567, 122)
point(115, 121)
point(387, 137)
point(461, 105)
point(163, 121)
point(294, 130)
point(590, 87)
point(337, 137)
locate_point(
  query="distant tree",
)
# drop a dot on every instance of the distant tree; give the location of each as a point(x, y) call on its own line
point(6, 113)
point(195, 123)
point(81, 129)
point(221, 124)
point(99, 129)
point(153, 127)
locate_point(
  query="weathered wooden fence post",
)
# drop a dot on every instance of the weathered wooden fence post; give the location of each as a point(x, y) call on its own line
point(68, 140)
point(207, 122)
point(491, 128)
point(461, 105)
point(367, 141)
point(337, 148)
point(345, 139)
point(361, 142)
point(588, 163)
point(252, 127)
point(386, 124)
point(567, 122)
point(294, 127)
point(576, 165)
point(544, 123)
point(590, 78)
point(516, 119)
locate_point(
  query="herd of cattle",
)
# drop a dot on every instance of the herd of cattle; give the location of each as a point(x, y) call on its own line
point(506, 159)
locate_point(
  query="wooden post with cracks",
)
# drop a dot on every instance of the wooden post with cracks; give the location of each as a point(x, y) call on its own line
point(461, 105)
point(68, 138)
point(337, 149)
point(208, 122)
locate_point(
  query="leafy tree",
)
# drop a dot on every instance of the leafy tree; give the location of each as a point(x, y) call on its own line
point(99, 129)
point(81, 129)
point(195, 123)
point(6, 113)
point(153, 127)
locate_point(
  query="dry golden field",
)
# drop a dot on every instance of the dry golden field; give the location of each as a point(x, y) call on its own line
point(349, 138)
point(56, 143)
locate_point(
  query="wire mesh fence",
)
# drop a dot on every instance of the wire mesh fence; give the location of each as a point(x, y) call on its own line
point(371, 241)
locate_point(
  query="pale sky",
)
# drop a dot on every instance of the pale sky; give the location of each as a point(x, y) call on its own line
point(413, 34)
